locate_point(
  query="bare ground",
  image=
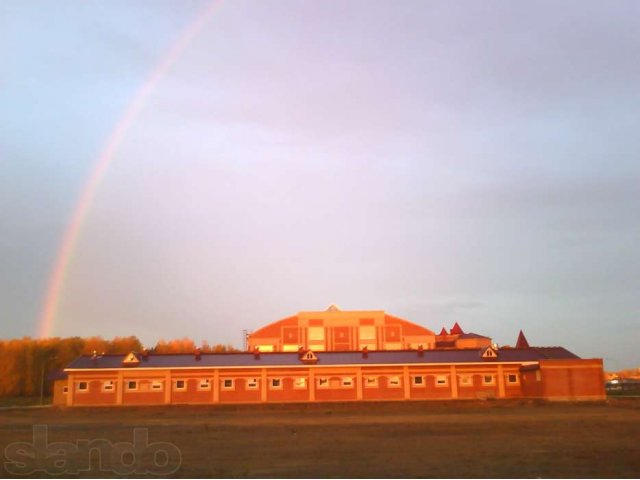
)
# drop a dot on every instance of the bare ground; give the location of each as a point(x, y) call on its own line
point(395, 439)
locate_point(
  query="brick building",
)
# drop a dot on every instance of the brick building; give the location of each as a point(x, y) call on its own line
point(338, 356)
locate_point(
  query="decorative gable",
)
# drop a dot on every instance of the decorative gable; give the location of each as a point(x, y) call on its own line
point(309, 357)
point(489, 354)
point(131, 360)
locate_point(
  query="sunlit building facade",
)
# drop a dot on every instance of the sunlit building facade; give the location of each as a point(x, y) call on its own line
point(336, 355)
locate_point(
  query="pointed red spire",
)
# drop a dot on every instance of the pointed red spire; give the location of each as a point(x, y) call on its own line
point(522, 341)
point(456, 330)
point(443, 331)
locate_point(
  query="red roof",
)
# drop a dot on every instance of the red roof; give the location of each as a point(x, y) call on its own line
point(522, 341)
point(456, 330)
point(443, 331)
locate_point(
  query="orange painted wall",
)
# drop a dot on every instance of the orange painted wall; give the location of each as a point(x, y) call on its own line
point(571, 379)
point(59, 397)
point(559, 379)
point(384, 391)
point(288, 392)
point(241, 391)
point(94, 395)
point(531, 386)
point(192, 393)
point(336, 392)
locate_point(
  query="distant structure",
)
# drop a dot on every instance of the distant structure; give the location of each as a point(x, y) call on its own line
point(336, 355)
point(337, 330)
point(245, 339)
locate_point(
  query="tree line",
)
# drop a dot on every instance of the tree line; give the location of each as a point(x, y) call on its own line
point(25, 362)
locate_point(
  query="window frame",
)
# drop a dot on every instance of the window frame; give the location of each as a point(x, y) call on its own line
point(252, 383)
point(415, 383)
point(223, 384)
point(300, 383)
point(156, 386)
point(133, 388)
point(346, 382)
point(275, 383)
point(80, 388)
point(491, 382)
point(108, 386)
point(464, 383)
point(177, 387)
point(323, 382)
point(442, 381)
point(516, 380)
point(368, 383)
point(204, 384)
point(394, 382)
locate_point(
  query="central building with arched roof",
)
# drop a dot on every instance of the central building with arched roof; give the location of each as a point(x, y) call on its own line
point(339, 330)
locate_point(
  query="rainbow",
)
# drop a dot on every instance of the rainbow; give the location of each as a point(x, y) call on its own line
point(88, 192)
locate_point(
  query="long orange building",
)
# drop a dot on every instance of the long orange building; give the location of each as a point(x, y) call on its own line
point(336, 356)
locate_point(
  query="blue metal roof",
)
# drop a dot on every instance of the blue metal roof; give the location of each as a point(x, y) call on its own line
point(402, 357)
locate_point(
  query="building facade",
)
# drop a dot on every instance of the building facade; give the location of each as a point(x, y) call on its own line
point(337, 330)
point(405, 365)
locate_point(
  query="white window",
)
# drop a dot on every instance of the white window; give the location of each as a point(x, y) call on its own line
point(368, 332)
point(107, 385)
point(156, 385)
point(418, 381)
point(252, 384)
point(204, 384)
point(512, 378)
point(466, 380)
point(347, 382)
point(132, 385)
point(276, 384)
point(180, 385)
point(227, 384)
point(371, 382)
point(65, 390)
point(487, 379)
point(442, 381)
point(82, 386)
point(394, 381)
point(300, 382)
point(316, 333)
point(323, 382)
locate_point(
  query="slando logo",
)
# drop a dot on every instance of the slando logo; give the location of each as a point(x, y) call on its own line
point(122, 458)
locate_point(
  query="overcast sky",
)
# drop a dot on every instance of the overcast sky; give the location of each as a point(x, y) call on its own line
point(444, 161)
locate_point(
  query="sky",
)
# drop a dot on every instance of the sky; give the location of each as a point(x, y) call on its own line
point(471, 162)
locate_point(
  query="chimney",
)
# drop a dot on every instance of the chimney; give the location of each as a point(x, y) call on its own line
point(256, 353)
point(365, 352)
point(198, 354)
point(420, 350)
